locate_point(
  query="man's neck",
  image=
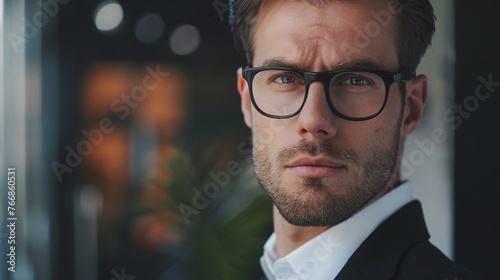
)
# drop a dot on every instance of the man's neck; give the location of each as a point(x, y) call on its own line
point(290, 237)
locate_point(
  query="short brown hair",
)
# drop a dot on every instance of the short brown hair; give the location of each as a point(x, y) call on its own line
point(415, 27)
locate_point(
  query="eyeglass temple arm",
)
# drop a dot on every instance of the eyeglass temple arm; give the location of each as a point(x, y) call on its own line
point(404, 76)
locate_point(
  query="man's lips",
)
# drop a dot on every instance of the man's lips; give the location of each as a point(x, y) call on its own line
point(315, 167)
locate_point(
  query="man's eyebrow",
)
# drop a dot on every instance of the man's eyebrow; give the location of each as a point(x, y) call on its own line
point(282, 63)
point(362, 63)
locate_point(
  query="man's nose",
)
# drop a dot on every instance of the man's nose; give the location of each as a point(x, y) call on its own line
point(316, 121)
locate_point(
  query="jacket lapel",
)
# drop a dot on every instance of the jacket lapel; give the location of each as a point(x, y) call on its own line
point(378, 256)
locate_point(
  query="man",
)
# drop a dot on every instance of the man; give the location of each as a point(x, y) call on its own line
point(330, 93)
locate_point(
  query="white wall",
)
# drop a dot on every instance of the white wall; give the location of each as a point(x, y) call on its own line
point(431, 175)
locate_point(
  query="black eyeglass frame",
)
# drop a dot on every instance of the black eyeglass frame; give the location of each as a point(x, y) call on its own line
point(325, 77)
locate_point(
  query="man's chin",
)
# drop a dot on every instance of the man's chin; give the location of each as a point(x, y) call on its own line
point(318, 182)
point(316, 206)
point(309, 220)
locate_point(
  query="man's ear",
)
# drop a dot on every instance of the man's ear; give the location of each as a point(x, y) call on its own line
point(416, 96)
point(246, 105)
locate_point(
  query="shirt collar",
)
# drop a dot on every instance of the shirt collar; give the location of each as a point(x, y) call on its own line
point(324, 256)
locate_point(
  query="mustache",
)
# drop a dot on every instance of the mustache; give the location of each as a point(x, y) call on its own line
point(316, 148)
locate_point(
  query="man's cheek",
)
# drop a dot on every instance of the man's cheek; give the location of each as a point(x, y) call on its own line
point(268, 131)
point(265, 136)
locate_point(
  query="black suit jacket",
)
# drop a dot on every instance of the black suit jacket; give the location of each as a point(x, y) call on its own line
point(399, 249)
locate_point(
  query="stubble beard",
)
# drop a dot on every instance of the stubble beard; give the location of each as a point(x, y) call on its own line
point(318, 204)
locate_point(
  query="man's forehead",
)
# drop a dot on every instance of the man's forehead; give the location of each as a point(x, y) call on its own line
point(325, 7)
point(295, 34)
point(347, 63)
point(327, 2)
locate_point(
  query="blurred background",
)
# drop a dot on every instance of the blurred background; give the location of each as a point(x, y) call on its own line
point(123, 123)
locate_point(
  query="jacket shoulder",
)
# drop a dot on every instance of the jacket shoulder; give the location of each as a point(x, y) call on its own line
point(399, 249)
point(424, 261)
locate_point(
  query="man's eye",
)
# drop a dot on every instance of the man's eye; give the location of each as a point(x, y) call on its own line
point(285, 79)
point(357, 81)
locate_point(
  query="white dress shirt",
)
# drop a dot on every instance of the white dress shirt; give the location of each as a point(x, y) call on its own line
point(324, 256)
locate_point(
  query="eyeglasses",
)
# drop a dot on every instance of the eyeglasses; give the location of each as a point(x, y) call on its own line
point(354, 94)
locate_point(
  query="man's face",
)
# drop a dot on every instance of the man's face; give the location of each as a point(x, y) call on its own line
point(320, 169)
